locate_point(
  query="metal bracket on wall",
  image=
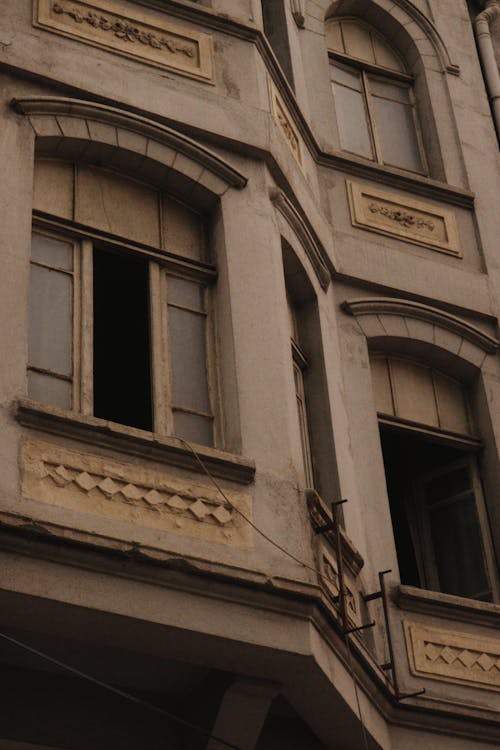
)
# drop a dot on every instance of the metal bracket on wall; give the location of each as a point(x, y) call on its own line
point(391, 664)
point(334, 525)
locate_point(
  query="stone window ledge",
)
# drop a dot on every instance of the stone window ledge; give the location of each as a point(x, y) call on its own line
point(148, 445)
point(440, 605)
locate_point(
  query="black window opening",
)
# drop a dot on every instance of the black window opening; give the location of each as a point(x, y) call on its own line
point(275, 29)
point(434, 515)
point(122, 360)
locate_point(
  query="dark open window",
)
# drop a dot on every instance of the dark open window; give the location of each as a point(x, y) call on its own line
point(275, 29)
point(430, 454)
point(122, 369)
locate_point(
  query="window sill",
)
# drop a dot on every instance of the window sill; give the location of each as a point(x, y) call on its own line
point(125, 439)
point(398, 178)
point(456, 608)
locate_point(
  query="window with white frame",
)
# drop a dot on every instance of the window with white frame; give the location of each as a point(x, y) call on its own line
point(119, 303)
point(300, 365)
point(431, 452)
point(374, 97)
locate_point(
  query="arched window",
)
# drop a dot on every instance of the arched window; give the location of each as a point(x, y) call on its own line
point(430, 455)
point(119, 302)
point(374, 97)
point(316, 465)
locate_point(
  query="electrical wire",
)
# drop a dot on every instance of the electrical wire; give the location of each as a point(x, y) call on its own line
point(297, 560)
point(117, 691)
point(250, 522)
point(161, 711)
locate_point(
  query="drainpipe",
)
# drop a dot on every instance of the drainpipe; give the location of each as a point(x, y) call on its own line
point(487, 56)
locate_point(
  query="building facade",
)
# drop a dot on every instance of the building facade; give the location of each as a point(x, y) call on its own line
point(250, 383)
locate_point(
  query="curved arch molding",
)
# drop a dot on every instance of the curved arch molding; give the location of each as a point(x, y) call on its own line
point(413, 320)
point(61, 117)
point(413, 15)
point(305, 234)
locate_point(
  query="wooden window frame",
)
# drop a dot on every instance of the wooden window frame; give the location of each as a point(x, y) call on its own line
point(161, 265)
point(299, 366)
point(426, 547)
point(367, 71)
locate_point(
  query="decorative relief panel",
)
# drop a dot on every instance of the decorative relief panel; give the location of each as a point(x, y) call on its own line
point(137, 34)
point(391, 214)
point(330, 583)
point(453, 657)
point(130, 492)
point(285, 123)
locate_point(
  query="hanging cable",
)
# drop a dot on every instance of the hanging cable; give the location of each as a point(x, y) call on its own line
point(117, 691)
point(297, 560)
point(249, 521)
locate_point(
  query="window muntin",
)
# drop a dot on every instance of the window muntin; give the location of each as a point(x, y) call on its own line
point(133, 341)
point(374, 100)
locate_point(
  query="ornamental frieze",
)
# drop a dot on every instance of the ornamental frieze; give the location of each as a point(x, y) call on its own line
point(446, 655)
point(126, 491)
point(385, 212)
point(142, 34)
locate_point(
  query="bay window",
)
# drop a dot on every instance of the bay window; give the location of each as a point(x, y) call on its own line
point(431, 454)
point(119, 329)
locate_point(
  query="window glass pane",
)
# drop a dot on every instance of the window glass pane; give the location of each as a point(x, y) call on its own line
point(351, 118)
point(414, 392)
point(382, 385)
point(116, 204)
point(457, 547)
point(185, 293)
point(397, 135)
point(48, 390)
point(384, 55)
point(193, 427)
point(448, 485)
point(451, 404)
point(53, 187)
point(52, 252)
point(346, 77)
point(357, 41)
point(334, 36)
point(50, 320)
point(390, 90)
point(182, 230)
point(188, 358)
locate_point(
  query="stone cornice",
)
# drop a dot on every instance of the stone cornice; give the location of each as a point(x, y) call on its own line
point(351, 165)
point(54, 105)
point(418, 311)
point(25, 537)
point(396, 178)
point(455, 608)
point(312, 246)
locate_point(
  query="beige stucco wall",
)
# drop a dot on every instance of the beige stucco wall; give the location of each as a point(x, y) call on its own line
point(262, 613)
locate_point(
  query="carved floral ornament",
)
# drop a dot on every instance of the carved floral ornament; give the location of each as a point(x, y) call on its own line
point(122, 29)
point(402, 217)
point(135, 32)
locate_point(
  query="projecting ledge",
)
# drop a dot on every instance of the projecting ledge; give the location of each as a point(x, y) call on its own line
point(149, 445)
point(440, 605)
